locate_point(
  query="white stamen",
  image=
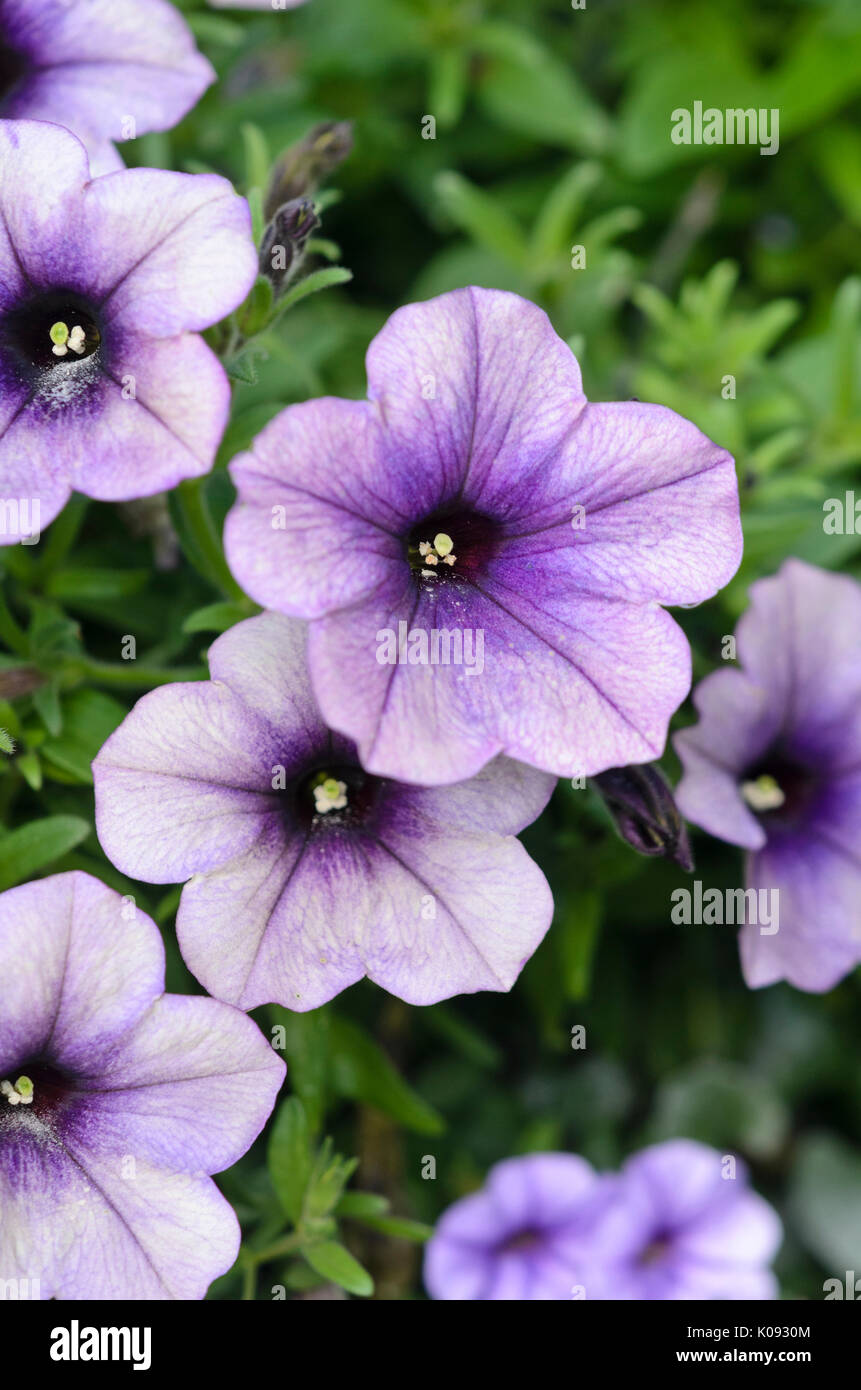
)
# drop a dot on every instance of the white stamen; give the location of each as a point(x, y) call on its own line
point(449, 559)
point(59, 349)
point(19, 1094)
point(763, 794)
point(330, 795)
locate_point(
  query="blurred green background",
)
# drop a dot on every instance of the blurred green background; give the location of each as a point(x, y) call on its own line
point(552, 130)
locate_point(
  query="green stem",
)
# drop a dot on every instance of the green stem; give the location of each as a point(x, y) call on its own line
point(14, 636)
point(130, 674)
point(287, 1246)
point(199, 537)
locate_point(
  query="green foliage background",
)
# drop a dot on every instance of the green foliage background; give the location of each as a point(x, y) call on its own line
point(552, 130)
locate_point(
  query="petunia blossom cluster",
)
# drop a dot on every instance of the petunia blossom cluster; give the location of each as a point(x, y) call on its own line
point(679, 1222)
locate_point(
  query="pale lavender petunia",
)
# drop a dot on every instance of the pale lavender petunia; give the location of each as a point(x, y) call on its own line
point(679, 1222)
point(477, 491)
point(305, 872)
point(774, 765)
point(522, 1237)
point(116, 1103)
point(684, 1223)
point(109, 70)
point(105, 386)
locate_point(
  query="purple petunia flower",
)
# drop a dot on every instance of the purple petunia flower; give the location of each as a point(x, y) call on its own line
point(522, 1237)
point(477, 491)
point(683, 1224)
point(679, 1222)
point(105, 386)
point(116, 1102)
point(774, 765)
point(307, 873)
point(106, 69)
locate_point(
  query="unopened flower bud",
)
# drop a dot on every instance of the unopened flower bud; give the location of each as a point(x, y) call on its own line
point(284, 241)
point(302, 167)
point(645, 814)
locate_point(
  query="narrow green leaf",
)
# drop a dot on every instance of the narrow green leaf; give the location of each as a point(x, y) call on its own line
point(289, 1157)
point(361, 1071)
point(89, 717)
point(336, 1264)
point(481, 217)
point(358, 1205)
point(216, 617)
point(318, 280)
point(23, 852)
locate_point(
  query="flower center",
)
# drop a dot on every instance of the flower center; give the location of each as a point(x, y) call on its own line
point(39, 1090)
point(520, 1243)
point(54, 332)
point(654, 1251)
point(329, 795)
point(12, 69)
point(451, 545)
point(763, 794)
point(17, 1093)
point(778, 790)
point(334, 796)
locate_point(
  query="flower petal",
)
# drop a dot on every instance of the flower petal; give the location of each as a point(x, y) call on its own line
point(570, 686)
point(161, 411)
point(307, 534)
point(795, 640)
point(79, 966)
point(98, 1228)
point(738, 722)
point(428, 917)
point(181, 785)
point(165, 252)
point(100, 64)
point(475, 391)
point(190, 1087)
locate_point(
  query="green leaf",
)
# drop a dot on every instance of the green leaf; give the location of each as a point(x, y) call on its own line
point(257, 157)
point(23, 852)
point(399, 1226)
point(522, 85)
point(481, 216)
point(216, 617)
point(46, 700)
point(84, 582)
point(825, 1201)
point(289, 1157)
point(31, 769)
point(89, 717)
point(361, 1071)
point(318, 280)
point(7, 743)
point(577, 936)
point(359, 1205)
point(338, 1266)
point(304, 1041)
